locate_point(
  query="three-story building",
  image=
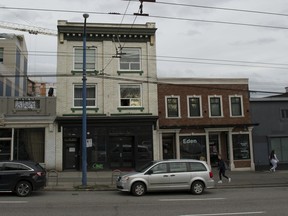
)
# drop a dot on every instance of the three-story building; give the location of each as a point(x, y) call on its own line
point(121, 95)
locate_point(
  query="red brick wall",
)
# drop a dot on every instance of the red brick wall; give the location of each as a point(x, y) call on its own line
point(203, 90)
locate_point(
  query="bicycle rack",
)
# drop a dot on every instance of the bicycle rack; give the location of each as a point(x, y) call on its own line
point(54, 174)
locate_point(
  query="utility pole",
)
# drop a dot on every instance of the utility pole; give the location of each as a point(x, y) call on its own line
point(84, 116)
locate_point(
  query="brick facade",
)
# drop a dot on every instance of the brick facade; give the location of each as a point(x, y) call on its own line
point(204, 134)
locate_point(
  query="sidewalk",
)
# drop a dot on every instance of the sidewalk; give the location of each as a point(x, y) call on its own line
point(105, 180)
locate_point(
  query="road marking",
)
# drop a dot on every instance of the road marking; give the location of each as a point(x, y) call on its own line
point(199, 199)
point(232, 213)
point(13, 202)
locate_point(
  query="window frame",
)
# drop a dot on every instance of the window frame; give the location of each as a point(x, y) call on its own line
point(140, 99)
point(178, 106)
point(220, 104)
point(81, 62)
point(200, 106)
point(1, 55)
point(130, 62)
point(87, 99)
point(241, 105)
point(284, 113)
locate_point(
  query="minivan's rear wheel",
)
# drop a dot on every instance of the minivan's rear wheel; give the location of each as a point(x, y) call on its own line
point(23, 189)
point(197, 187)
point(138, 189)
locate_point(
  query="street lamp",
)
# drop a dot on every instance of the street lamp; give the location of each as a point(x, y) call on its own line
point(84, 116)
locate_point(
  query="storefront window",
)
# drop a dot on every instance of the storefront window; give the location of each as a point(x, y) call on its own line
point(241, 146)
point(29, 144)
point(192, 147)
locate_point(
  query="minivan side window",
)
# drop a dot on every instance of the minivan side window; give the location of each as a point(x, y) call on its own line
point(178, 167)
point(196, 167)
point(160, 168)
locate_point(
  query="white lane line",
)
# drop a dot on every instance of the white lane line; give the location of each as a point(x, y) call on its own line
point(13, 202)
point(231, 213)
point(199, 199)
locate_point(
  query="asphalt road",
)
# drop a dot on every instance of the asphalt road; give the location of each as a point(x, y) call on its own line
point(245, 201)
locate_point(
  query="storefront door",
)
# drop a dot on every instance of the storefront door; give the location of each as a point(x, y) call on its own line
point(121, 152)
point(169, 146)
point(214, 149)
point(72, 153)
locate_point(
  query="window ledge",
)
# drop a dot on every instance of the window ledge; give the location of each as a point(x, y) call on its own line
point(87, 108)
point(131, 114)
point(80, 114)
point(129, 72)
point(130, 108)
point(90, 72)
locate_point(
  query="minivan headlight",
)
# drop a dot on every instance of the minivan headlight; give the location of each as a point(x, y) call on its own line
point(125, 178)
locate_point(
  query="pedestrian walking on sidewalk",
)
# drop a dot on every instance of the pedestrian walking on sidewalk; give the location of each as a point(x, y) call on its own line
point(222, 169)
point(273, 160)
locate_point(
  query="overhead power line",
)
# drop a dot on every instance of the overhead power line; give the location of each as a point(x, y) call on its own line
point(217, 8)
point(173, 59)
point(156, 82)
point(153, 16)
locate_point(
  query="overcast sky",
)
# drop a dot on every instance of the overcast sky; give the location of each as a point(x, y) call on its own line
point(187, 44)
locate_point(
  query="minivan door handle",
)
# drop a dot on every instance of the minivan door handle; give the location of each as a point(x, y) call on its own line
point(172, 175)
point(165, 175)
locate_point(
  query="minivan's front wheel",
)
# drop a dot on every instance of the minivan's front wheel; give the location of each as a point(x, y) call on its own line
point(23, 189)
point(138, 189)
point(197, 187)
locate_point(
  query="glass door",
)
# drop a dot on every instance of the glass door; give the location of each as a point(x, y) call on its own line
point(169, 146)
point(121, 152)
point(214, 149)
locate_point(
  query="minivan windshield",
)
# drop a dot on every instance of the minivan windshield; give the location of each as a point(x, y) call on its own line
point(146, 166)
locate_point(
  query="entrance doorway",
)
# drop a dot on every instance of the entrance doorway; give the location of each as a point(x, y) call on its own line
point(214, 149)
point(121, 152)
point(72, 153)
point(169, 146)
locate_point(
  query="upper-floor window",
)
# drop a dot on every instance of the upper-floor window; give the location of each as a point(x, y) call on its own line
point(284, 114)
point(194, 106)
point(236, 106)
point(215, 105)
point(130, 95)
point(172, 107)
point(18, 59)
point(90, 95)
point(90, 58)
point(130, 60)
point(1, 54)
point(1, 86)
point(8, 88)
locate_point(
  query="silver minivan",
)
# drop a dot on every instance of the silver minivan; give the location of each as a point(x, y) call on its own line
point(168, 175)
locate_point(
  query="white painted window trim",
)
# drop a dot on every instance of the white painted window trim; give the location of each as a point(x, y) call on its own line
point(221, 106)
point(178, 104)
point(140, 61)
point(95, 60)
point(230, 106)
point(81, 84)
point(200, 106)
point(131, 84)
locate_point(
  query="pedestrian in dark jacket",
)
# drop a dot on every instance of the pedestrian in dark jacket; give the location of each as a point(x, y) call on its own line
point(222, 169)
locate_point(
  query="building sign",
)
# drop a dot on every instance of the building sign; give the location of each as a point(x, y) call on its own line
point(26, 104)
point(192, 147)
